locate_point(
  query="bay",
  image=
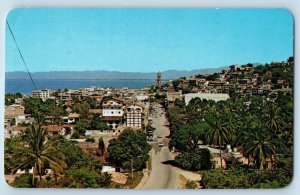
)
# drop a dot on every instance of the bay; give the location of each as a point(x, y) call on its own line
point(25, 86)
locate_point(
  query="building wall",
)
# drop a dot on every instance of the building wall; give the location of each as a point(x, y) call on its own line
point(112, 108)
point(134, 115)
point(14, 110)
point(208, 96)
point(44, 94)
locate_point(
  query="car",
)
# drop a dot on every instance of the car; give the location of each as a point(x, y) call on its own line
point(161, 145)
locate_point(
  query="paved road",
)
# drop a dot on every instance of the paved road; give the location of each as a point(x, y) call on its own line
point(162, 175)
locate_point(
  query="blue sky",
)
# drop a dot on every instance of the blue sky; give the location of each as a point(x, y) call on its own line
point(146, 40)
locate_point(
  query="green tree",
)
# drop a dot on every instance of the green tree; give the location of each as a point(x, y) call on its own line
point(200, 159)
point(92, 102)
point(10, 98)
point(37, 153)
point(187, 138)
point(131, 146)
point(37, 108)
point(23, 181)
point(101, 146)
point(221, 131)
point(187, 90)
point(57, 112)
point(259, 147)
point(97, 124)
point(82, 109)
point(272, 118)
point(175, 118)
point(83, 178)
point(82, 125)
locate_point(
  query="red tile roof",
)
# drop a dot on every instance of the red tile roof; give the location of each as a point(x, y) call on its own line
point(53, 128)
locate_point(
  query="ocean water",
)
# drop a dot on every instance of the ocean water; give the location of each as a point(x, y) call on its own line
point(25, 86)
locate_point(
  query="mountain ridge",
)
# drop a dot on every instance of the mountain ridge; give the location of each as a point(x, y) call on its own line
point(112, 75)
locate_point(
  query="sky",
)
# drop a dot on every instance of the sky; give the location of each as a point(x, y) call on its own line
point(146, 40)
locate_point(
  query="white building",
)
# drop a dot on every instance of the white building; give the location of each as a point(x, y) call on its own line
point(206, 96)
point(43, 94)
point(142, 97)
point(112, 112)
point(23, 119)
point(134, 116)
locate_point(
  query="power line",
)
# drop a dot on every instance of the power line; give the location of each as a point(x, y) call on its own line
point(12, 34)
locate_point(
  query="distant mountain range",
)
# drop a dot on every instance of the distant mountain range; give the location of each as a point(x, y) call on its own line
point(110, 75)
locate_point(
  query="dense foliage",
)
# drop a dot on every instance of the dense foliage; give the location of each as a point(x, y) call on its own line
point(130, 147)
point(261, 128)
point(10, 98)
point(199, 159)
point(241, 177)
point(70, 165)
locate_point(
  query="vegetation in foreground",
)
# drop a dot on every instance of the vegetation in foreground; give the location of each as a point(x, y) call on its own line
point(70, 166)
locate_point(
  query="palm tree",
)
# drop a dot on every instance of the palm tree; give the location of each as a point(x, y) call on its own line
point(221, 131)
point(259, 147)
point(244, 124)
point(272, 118)
point(37, 152)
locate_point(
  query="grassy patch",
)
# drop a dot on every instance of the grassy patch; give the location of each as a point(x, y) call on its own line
point(137, 177)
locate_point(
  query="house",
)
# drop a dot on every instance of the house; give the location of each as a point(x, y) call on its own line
point(172, 96)
point(234, 67)
point(15, 130)
point(55, 129)
point(193, 81)
point(71, 118)
point(229, 156)
point(13, 111)
point(112, 111)
point(19, 101)
point(23, 119)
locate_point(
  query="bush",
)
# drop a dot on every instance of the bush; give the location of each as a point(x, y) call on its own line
point(191, 184)
point(75, 135)
point(23, 181)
